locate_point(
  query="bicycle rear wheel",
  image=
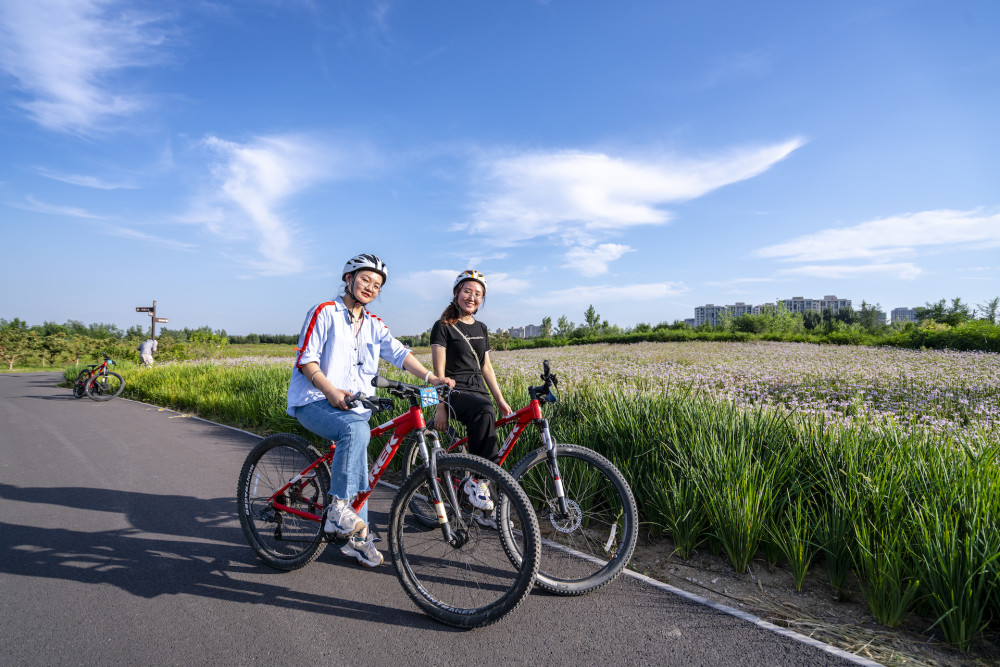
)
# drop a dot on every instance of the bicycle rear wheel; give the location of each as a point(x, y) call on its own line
point(80, 384)
point(473, 581)
point(283, 540)
point(588, 547)
point(105, 386)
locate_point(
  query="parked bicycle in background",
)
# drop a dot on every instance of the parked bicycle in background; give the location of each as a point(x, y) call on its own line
point(98, 383)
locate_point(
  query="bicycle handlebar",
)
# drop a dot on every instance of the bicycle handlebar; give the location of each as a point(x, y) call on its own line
point(544, 392)
point(373, 403)
point(380, 382)
point(404, 390)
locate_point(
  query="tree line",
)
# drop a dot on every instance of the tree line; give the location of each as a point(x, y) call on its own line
point(942, 324)
point(48, 344)
point(945, 323)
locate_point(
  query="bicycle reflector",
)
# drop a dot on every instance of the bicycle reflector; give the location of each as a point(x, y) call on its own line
point(429, 396)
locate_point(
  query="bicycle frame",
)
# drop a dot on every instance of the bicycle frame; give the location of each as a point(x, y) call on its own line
point(412, 421)
point(521, 419)
point(97, 370)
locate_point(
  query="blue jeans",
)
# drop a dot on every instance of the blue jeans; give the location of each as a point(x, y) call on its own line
point(349, 469)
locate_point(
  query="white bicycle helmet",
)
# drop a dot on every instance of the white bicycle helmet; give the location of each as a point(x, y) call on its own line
point(368, 262)
point(470, 274)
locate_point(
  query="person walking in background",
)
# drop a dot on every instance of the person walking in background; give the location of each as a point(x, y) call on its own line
point(338, 354)
point(460, 349)
point(146, 349)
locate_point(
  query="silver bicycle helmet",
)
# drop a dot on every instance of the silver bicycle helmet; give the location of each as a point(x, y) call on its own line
point(367, 262)
point(470, 274)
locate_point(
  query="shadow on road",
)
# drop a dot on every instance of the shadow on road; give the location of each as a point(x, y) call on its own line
point(209, 558)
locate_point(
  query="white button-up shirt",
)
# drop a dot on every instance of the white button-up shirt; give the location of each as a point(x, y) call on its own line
point(349, 361)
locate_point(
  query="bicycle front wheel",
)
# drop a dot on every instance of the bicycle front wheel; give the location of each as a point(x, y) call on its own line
point(105, 386)
point(588, 546)
point(283, 540)
point(471, 581)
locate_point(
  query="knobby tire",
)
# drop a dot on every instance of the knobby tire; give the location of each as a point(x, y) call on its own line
point(281, 539)
point(105, 386)
point(477, 582)
point(602, 525)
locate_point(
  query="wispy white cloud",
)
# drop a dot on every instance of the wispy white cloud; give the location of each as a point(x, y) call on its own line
point(66, 56)
point(33, 204)
point(890, 238)
point(588, 294)
point(738, 66)
point(738, 281)
point(103, 223)
point(504, 283)
point(593, 261)
point(436, 284)
point(430, 284)
point(127, 233)
point(576, 198)
point(900, 270)
point(253, 181)
point(83, 180)
point(563, 193)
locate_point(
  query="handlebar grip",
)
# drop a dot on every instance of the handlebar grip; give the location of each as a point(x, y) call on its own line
point(380, 382)
point(354, 399)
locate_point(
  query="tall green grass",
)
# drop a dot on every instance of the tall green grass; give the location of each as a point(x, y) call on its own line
point(916, 519)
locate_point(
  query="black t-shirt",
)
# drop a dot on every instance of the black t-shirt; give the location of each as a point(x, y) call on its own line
point(459, 363)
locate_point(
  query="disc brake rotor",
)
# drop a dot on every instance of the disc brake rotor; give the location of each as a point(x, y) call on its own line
point(568, 523)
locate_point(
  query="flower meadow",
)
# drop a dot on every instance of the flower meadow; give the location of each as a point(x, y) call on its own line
point(881, 462)
point(949, 393)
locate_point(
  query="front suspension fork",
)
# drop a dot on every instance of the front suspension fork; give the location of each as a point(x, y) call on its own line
point(437, 496)
point(551, 449)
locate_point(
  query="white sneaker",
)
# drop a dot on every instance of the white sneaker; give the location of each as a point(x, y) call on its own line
point(341, 520)
point(364, 550)
point(479, 494)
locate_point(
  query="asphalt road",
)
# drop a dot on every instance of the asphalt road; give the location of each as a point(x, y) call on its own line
point(119, 543)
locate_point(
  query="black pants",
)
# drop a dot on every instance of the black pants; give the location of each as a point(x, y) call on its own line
point(477, 414)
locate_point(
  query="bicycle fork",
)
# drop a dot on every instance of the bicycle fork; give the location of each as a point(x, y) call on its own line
point(551, 449)
point(437, 496)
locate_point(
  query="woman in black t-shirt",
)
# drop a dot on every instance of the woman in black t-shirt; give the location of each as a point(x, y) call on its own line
point(460, 349)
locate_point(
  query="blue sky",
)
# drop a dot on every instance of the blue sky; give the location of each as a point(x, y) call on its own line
point(642, 156)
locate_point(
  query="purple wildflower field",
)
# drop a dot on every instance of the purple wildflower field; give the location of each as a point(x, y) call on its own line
point(947, 392)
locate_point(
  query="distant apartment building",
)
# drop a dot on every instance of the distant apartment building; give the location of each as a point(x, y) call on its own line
point(904, 314)
point(707, 314)
point(798, 304)
point(527, 331)
point(740, 308)
point(833, 303)
point(711, 314)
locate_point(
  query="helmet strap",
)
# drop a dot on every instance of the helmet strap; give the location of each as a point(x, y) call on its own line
point(354, 299)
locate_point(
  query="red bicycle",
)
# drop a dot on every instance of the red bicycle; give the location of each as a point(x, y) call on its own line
point(585, 509)
point(97, 382)
point(453, 568)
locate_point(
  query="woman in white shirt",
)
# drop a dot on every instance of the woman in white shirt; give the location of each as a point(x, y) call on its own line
point(339, 349)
